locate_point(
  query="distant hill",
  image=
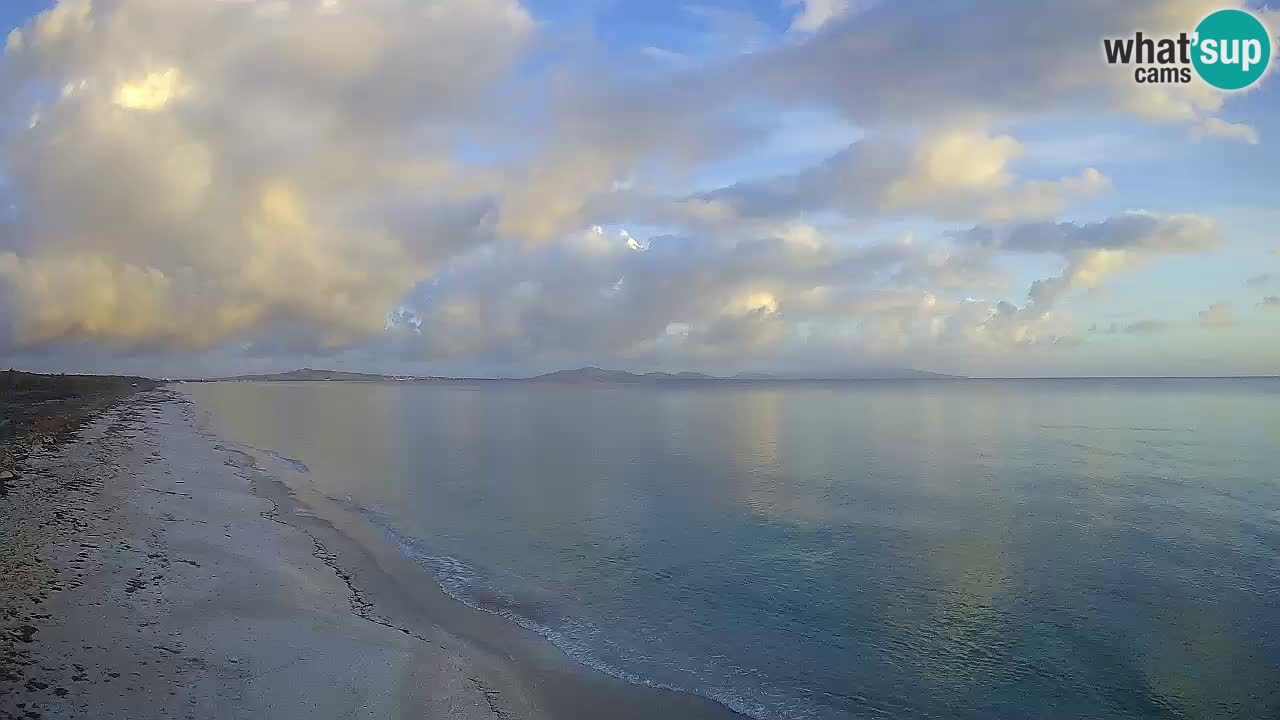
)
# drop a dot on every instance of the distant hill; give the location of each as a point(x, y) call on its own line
point(678, 376)
point(755, 376)
point(599, 375)
point(579, 376)
point(873, 374)
point(310, 375)
point(587, 375)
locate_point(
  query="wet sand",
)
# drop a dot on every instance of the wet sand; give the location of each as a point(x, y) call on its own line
point(157, 573)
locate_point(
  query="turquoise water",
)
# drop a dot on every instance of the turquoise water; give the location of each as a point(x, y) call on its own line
point(912, 549)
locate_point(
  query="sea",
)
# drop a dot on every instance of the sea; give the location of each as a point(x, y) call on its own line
point(871, 549)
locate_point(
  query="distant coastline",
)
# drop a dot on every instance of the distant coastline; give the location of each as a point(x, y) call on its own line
point(585, 375)
point(600, 376)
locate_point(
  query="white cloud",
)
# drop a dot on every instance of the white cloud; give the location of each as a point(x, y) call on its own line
point(65, 18)
point(957, 161)
point(667, 57)
point(958, 172)
point(236, 172)
point(632, 243)
point(951, 174)
point(816, 13)
point(153, 91)
point(795, 292)
point(13, 42)
point(1096, 251)
point(1217, 127)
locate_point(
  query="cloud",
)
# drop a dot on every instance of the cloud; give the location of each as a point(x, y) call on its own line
point(958, 169)
point(598, 136)
point(665, 56)
point(153, 91)
point(224, 175)
point(793, 291)
point(448, 180)
point(1094, 251)
point(956, 174)
point(1217, 127)
point(51, 26)
point(816, 13)
point(1218, 316)
point(915, 62)
point(1131, 231)
point(1141, 327)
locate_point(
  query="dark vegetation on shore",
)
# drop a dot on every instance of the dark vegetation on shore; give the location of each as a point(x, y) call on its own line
point(44, 409)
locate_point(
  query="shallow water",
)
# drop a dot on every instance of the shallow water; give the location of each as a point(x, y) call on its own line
point(913, 549)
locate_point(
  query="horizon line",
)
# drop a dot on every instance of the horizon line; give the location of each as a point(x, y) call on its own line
point(705, 377)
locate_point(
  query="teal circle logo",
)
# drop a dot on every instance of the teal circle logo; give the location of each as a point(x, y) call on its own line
point(1232, 49)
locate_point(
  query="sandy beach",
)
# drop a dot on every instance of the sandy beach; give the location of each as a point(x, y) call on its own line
point(153, 572)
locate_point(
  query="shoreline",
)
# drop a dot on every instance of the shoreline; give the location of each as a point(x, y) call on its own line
point(212, 588)
point(392, 590)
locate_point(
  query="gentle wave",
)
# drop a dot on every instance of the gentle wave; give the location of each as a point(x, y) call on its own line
point(293, 463)
point(574, 637)
point(578, 639)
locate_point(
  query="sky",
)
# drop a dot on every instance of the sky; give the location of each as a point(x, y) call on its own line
point(503, 188)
